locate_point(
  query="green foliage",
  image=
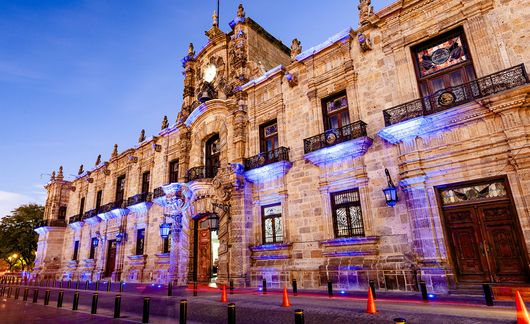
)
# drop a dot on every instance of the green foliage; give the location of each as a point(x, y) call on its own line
point(18, 240)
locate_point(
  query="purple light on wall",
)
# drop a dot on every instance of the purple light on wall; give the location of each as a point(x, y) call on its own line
point(340, 36)
point(270, 257)
point(270, 247)
point(196, 113)
point(141, 208)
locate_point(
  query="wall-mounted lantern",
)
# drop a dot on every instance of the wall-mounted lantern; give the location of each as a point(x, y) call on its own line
point(95, 242)
point(165, 228)
point(390, 191)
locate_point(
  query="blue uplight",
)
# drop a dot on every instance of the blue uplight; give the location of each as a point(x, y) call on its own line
point(431, 296)
point(342, 292)
point(260, 289)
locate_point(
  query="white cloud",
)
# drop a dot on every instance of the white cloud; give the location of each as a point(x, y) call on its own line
point(11, 200)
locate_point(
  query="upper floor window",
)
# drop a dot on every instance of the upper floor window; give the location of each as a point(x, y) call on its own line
point(213, 152)
point(99, 196)
point(62, 213)
point(268, 136)
point(82, 206)
point(76, 250)
point(272, 223)
point(93, 243)
point(347, 215)
point(140, 234)
point(443, 62)
point(174, 171)
point(335, 111)
point(146, 179)
point(120, 188)
point(166, 243)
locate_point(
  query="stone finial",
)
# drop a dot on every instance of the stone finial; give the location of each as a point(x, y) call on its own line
point(165, 123)
point(241, 11)
point(365, 11)
point(52, 178)
point(80, 170)
point(296, 48)
point(215, 19)
point(191, 50)
point(60, 174)
point(98, 160)
point(142, 136)
point(114, 151)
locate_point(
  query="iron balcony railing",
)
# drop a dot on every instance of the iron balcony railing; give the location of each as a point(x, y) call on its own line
point(457, 95)
point(75, 218)
point(91, 213)
point(51, 223)
point(264, 158)
point(201, 172)
point(158, 192)
point(139, 198)
point(118, 204)
point(335, 136)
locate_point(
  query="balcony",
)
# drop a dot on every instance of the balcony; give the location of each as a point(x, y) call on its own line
point(75, 219)
point(112, 209)
point(51, 223)
point(140, 203)
point(455, 96)
point(91, 216)
point(158, 192)
point(268, 165)
point(338, 143)
point(200, 172)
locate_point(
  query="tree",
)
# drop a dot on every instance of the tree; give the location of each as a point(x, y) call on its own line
point(18, 240)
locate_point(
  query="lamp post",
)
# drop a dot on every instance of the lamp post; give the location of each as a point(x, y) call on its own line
point(390, 191)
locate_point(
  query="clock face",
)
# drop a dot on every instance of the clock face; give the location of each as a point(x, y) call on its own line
point(209, 73)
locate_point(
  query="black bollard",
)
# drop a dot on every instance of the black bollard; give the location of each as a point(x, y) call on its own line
point(86, 285)
point(17, 292)
point(423, 288)
point(372, 286)
point(26, 292)
point(77, 285)
point(60, 299)
point(9, 292)
point(299, 316)
point(487, 294)
point(264, 286)
point(2, 291)
point(61, 284)
point(399, 320)
point(295, 288)
point(183, 311)
point(117, 306)
point(75, 303)
point(145, 315)
point(97, 286)
point(35, 295)
point(170, 288)
point(108, 285)
point(69, 283)
point(330, 288)
point(195, 288)
point(121, 286)
point(54, 283)
point(231, 287)
point(231, 313)
point(47, 297)
point(94, 308)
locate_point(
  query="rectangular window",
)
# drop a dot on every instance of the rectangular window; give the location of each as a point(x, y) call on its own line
point(268, 136)
point(441, 63)
point(99, 196)
point(140, 234)
point(335, 111)
point(62, 213)
point(76, 250)
point(347, 215)
point(82, 206)
point(146, 179)
point(166, 244)
point(272, 224)
point(174, 171)
point(93, 247)
point(120, 188)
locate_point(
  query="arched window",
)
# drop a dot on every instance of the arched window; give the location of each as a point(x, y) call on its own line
point(212, 156)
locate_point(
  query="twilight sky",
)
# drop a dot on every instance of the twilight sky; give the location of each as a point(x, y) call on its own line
point(78, 76)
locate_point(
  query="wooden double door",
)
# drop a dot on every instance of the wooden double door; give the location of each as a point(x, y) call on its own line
point(486, 242)
point(111, 258)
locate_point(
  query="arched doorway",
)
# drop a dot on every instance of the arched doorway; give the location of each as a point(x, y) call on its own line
point(206, 248)
point(213, 151)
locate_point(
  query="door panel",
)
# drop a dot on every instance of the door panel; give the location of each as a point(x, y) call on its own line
point(466, 244)
point(204, 258)
point(111, 258)
point(504, 246)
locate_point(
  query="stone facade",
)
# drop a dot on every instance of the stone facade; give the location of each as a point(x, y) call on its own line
point(256, 80)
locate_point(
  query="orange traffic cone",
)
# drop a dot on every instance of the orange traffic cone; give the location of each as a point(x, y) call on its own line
point(522, 314)
point(370, 308)
point(285, 302)
point(224, 299)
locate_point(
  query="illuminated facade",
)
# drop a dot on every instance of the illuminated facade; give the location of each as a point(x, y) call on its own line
point(276, 164)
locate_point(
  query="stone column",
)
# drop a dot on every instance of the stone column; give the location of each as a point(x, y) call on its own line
point(178, 255)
